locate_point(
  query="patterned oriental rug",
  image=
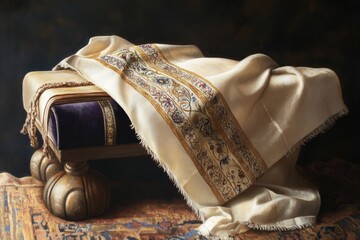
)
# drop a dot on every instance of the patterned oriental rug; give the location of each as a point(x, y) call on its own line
point(159, 212)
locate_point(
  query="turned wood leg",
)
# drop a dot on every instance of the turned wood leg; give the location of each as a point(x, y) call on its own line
point(77, 192)
point(43, 168)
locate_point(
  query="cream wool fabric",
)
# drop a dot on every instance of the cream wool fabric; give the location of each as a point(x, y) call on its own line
point(277, 108)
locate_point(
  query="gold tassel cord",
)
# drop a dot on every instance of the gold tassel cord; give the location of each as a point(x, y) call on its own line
point(30, 121)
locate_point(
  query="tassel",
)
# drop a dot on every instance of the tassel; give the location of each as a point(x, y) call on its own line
point(29, 126)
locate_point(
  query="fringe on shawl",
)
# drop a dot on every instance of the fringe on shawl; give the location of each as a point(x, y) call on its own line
point(319, 130)
point(253, 226)
point(189, 201)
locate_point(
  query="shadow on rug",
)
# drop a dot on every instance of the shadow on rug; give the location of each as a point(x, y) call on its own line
point(24, 216)
point(141, 212)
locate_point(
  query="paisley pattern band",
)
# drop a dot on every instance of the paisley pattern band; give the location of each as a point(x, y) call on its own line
point(198, 115)
point(109, 122)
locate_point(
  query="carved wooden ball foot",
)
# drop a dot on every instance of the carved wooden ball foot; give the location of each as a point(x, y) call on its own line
point(43, 168)
point(77, 192)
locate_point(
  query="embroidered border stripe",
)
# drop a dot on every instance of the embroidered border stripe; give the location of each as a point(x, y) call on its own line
point(160, 103)
point(197, 114)
point(220, 112)
point(143, 87)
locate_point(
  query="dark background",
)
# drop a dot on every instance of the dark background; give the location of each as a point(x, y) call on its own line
point(36, 34)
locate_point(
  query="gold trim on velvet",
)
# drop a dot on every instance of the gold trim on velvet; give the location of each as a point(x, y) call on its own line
point(109, 122)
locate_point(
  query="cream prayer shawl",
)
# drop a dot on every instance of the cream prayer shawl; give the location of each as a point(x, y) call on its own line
point(227, 132)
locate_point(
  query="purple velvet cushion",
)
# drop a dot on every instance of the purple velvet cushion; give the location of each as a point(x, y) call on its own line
point(83, 124)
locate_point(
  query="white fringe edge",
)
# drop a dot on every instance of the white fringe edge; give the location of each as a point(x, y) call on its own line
point(254, 226)
point(188, 199)
point(319, 130)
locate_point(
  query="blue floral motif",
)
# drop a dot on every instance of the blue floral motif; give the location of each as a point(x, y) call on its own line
point(178, 117)
point(224, 161)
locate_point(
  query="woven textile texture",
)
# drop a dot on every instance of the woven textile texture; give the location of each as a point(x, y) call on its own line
point(137, 213)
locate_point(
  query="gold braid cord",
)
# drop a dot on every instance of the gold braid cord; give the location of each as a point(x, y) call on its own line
point(30, 122)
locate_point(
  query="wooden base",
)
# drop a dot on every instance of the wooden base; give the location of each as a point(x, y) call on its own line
point(74, 193)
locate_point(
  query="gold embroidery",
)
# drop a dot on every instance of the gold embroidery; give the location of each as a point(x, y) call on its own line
point(197, 114)
point(240, 145)
point(109, 122)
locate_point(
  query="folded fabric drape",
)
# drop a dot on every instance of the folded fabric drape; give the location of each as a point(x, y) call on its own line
point(227, 132)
